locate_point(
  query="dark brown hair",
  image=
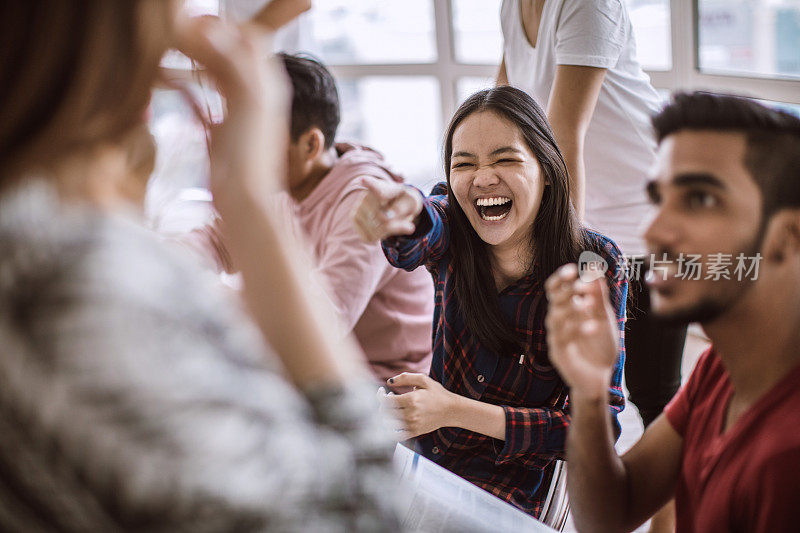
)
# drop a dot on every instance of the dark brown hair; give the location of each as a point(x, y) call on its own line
point(557, 236)
point(75, 74)
point(315, 100)
point(773, 139)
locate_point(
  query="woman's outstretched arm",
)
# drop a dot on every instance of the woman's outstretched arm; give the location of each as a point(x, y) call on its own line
point(413, 227)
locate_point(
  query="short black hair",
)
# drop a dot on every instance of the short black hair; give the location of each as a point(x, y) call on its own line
point(773, 139)
point(315, 100)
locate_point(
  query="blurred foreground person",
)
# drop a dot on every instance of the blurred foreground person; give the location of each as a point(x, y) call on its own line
point(134, 394)
point(728, 445)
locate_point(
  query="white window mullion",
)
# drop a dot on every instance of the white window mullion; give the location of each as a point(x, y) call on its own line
point(684, 42)
point(446, 61)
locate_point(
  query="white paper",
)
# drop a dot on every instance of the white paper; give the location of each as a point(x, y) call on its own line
point(444, 502)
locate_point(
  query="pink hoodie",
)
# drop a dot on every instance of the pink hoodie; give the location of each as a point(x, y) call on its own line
point(390, 311)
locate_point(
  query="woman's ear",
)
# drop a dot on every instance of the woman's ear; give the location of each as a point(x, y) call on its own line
point(782, 236)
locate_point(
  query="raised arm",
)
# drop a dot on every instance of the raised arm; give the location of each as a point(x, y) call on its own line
point(244, 174)
point(570, 109)
point(607, 492)
point(502, 75)
point(412, 228)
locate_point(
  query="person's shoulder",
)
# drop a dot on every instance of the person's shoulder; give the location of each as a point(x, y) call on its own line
point(708, 372)
point(43, 237)
point(355, 166)
point(585, 12)
point(709, 364)
point(354, 161)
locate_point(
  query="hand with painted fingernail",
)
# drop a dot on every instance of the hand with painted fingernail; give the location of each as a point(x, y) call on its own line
point(426, 408)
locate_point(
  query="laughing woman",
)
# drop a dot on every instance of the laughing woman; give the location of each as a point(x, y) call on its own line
point(493, 410)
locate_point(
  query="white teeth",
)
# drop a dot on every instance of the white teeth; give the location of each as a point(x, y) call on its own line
point(492, 219)
point(498, 200)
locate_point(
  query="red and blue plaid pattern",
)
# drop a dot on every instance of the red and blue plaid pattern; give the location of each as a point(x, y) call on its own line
point(531, 392)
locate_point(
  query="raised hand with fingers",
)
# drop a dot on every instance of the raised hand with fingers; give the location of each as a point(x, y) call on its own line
point(248, 149)
point(582, 333)
point(388, 209)
point(426, 408)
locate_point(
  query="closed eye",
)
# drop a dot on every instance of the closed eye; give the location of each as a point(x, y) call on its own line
point(461, 165)
point(507, 160)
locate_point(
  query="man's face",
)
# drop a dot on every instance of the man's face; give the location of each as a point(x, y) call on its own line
point(707, 204)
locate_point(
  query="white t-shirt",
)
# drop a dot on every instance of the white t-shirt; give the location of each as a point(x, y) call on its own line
point(620, 145)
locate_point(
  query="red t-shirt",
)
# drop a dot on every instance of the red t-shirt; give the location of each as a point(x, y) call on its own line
point(748, 478)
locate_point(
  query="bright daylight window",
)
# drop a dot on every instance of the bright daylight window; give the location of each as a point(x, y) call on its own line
point(403, 67)
point(757, 38)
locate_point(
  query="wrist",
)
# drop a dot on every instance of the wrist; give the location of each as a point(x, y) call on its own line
point(591, 391)
point(453, 409)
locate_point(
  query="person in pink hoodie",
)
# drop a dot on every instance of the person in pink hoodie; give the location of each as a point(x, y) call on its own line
point(389, 311)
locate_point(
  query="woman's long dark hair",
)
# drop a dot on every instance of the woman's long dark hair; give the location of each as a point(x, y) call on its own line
point(557, 235)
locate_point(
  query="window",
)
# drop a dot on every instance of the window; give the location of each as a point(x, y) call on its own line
point(478, 38)
point(746, 47)
point(355, 32)
point(182, 156)
point(652, 28)
point(400, 117)
point(471, 85)
point(404, 67)
point(751, 38)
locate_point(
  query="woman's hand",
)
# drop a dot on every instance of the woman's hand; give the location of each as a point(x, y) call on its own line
point(248, 151)
point(582, 333)
point(248, 148)
point(388, 209)
point(426, 408)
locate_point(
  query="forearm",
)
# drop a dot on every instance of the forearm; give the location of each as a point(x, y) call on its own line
point(427, 244)
point(502, 74)
point(573, 98)
point(480, 417)
point(572, 150)
point(597, 478)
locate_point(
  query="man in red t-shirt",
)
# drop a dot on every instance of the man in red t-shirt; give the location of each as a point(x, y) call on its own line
point(725, 252)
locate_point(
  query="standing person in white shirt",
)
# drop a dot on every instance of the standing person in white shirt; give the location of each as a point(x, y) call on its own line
point(578, 58)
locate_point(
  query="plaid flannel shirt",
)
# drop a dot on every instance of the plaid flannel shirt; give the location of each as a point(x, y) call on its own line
point(527, 386)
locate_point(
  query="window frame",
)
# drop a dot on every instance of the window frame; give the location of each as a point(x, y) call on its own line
point(686, 74)
point(446, 69)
